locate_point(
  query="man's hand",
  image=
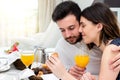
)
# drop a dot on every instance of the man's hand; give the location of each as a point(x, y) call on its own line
point(76, 71)
point(115, 62)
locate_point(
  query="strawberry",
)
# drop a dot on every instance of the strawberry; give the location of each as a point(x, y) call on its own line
point(15, 47)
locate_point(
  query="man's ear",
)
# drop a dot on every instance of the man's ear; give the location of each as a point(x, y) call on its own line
point(99, 26)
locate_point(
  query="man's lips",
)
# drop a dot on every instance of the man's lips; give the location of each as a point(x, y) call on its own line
point(70, 39)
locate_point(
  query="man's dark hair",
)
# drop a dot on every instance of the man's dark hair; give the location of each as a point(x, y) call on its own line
point(65, 8)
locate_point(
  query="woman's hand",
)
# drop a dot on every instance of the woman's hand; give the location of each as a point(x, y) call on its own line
point(76, 71)
point(56, 66)
point(87, 76)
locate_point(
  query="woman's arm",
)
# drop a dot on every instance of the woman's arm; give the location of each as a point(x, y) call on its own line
point(105, 72)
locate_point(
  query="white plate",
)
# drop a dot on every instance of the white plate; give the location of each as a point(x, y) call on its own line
point(4, 68)
point(3, 61)
point(4, 64)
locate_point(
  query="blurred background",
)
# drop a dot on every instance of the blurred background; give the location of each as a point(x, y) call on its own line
point(29, 21)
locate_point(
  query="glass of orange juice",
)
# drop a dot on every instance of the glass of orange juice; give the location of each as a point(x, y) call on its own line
point(27, 57)
point(82, 58)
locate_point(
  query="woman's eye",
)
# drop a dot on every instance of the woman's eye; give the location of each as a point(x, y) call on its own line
point(82, 26)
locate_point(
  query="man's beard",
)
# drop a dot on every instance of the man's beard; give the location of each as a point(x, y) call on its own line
point(78, 39)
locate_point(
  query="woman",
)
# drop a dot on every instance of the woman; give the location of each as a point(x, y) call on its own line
point(98, 26)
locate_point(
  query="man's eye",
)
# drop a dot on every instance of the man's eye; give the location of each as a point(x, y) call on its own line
point(71, 28)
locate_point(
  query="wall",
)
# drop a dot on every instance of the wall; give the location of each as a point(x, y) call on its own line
point(83, 3)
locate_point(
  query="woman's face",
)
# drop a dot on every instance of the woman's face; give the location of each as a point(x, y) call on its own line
point(90, 32)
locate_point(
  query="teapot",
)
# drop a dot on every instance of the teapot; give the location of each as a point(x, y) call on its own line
point(40, 55)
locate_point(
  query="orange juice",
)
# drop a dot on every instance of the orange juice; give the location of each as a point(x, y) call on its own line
point(27, 59)
point(82, 60)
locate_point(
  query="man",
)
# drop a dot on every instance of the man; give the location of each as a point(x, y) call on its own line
point(67, 16)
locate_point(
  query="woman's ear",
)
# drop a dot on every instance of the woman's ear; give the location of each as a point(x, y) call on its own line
point(99, 26)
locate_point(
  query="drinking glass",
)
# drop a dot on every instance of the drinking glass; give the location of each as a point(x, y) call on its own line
point(82, 58)
point(27, 57)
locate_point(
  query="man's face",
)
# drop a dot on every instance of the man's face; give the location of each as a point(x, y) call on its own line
point(69, 27)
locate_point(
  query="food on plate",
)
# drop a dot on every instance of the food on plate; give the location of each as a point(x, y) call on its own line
point(39, 74)
point(19, 64)
point(55, 54)
point(33, 77)
point(40, 71)
point(45, 66)
point(13, 48)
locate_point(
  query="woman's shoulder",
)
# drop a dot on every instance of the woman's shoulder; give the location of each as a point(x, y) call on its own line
point(115, 41)
point(108, 51)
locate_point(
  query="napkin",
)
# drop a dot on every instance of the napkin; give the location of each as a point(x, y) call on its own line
point(36, 64)
point(7, 60)
point(13, 57)
point(26, 73)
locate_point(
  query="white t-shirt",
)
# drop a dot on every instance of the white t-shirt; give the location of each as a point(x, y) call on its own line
point(67, 52)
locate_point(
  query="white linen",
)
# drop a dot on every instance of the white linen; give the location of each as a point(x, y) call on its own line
point(49, 77)
point(8, 77)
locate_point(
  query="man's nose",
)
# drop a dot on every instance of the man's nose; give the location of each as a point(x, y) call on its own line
point(68, 33)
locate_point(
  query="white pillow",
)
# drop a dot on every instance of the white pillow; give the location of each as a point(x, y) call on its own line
point(47, 39)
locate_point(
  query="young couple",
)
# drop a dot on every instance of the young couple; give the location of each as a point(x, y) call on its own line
point(98, 27)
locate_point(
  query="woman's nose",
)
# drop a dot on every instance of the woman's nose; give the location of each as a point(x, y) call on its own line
point(80, 29)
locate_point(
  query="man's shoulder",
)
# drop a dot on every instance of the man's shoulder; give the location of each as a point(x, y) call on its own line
point(62, 41)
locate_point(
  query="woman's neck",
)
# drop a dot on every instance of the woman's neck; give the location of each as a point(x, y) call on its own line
point(103, 45)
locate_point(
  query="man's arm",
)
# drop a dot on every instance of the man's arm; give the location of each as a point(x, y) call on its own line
point(115, 62)
point(105, 72)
